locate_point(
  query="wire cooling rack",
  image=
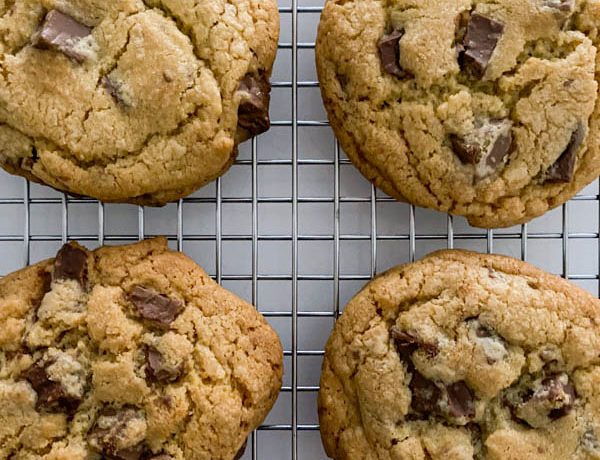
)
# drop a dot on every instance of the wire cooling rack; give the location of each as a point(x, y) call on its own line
point(294, 229)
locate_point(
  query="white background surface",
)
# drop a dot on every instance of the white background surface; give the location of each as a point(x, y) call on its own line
point(368, 224)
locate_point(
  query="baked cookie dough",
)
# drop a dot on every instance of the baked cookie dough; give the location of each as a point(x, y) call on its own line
point(484, 109)
point(464, 356)
point(130, 353)
point(138, 101)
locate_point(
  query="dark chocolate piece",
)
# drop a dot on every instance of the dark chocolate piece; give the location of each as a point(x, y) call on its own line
point(562, 5)
point(425, 395)
point(469, 153)
point(52, 397)
point(589, 442)
point(152, 306)
point(560, 393)
point(409, 342)
point(133, 453)
point(563, 9)
point(487, 147)
point(563, 170)
point(253, 112)
point(61, 32)
point(461, 401)
point(115, 89)
point(157, 369)
point(389, 53)
point(542, 401)
point(109, 430)
point(71, 264)
point(481, 39)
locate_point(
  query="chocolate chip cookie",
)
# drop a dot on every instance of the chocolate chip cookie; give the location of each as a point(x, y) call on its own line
point(132, 101)
point(485, 109)
point(464, 356)
point(130, 353)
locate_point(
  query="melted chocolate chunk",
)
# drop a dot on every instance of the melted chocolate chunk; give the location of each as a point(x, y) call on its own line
point(157, 370)
point(563, 9)
point(154, 307)
point(487, 147)
point(455, 402)
point(61, 32)
point(589, 442)
point(409, 342)
point(253, 112)
point(52, 397)
point(560, 393)
point(493, 346)
point(242, 450)
point(71, 264)
point(425, 395)
point(481, 39)
point(115, 89)
point(133, 453)
point(542, 401)
point(107, 434)
point(483, 332)
point(389, 53)
point(563, 170)
point(461, 401)
point(562, 5)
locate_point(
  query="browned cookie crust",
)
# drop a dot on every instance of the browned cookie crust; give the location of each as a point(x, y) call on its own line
point(464, 356)
point(130, 353)
point(484, 109)
point(139, 101)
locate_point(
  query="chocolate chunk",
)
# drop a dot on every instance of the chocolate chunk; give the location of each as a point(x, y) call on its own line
point(539, 402)
point(425, 394)
point(483, 331)
point(62, 33)
point(108, 436)
point(133, 453)
point(469, 153)
point(52, 397)
point(483, 336)
point(481, 39)
point(389, 53)
point(253, 112)
point(152, 306)
point(562, 9)
point(409, 342)
point(562, 171)
point(589, 442)
point(562, 5)
point(559, 391)
point(487, 147)
point(113, 87)
point(242, 450)
point(157, 370)
point(461, 401)
point(71, 264)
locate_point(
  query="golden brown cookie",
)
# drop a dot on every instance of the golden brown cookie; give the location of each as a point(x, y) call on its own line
point(132, 101)
point(485, 109)
point(130, 353)
point(464, 356)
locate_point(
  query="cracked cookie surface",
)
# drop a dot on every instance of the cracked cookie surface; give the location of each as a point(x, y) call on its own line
point(130, 353)
point(485, 109)
point(139, 101)
point(464, 356)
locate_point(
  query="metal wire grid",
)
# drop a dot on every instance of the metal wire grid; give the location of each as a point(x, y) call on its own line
point(296, 448)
